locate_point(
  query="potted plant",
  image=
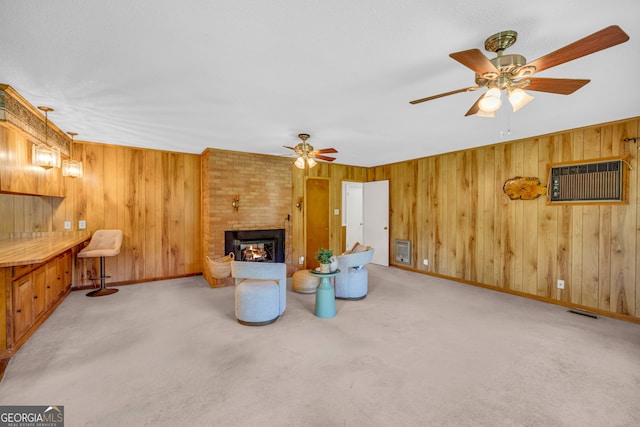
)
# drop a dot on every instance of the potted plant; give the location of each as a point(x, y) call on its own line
point(324, 258)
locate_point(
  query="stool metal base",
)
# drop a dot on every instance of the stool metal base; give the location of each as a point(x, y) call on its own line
point(102, 292)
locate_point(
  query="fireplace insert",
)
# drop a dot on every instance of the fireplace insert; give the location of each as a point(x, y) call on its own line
point(255, 245)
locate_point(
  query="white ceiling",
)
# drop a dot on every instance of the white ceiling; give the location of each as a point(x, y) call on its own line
point(249, 75)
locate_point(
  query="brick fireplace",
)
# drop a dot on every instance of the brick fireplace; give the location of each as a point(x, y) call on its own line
point(264, 204)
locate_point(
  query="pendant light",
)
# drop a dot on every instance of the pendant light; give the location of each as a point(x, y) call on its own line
point(42, 155)
point(72, 168)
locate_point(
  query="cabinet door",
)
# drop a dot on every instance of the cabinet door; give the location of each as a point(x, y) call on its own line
point(22, 306)
point(49, 284)
point(41, 293)
point(58, 269)
point(68, 268)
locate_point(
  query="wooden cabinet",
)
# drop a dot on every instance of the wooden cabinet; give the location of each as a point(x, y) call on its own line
point(22, 305)
point(18, 175)
point(37, 291)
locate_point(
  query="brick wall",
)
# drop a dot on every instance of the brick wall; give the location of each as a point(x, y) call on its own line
point(264, 186)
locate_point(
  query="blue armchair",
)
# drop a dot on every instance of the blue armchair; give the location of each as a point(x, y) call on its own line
point(261, 291)
point(353, 280)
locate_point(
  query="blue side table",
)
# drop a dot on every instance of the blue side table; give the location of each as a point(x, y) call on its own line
point(325, 294)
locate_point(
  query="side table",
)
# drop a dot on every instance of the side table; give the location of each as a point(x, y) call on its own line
point(325, 294)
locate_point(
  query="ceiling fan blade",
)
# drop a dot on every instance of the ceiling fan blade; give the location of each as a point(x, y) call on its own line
point(560, 86)
point(597, 41)
point(475, 60)
point(326, 150)
point(453, 92)
point(475, 107)
point(325, 158)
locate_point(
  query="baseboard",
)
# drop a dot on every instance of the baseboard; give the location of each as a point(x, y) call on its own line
point(617, 316)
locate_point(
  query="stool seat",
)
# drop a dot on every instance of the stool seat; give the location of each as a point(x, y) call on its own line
point(304, 282)
point(103, 243)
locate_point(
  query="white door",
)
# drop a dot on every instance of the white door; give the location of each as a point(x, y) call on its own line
point(376, 220)
point(352, 210)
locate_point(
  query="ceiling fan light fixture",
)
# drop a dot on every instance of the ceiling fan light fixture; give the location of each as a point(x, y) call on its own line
point(299, 162)
point(519, 98)
point(311, 162)
point(481, 113)
point(490, 102)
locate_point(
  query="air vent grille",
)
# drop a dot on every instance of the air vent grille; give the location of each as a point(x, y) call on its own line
point(403, 252)
point(587, 182)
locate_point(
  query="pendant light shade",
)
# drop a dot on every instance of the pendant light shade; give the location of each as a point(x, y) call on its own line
point(42, 155)
point(72, 168)
point(519, 98)
point(490, 102)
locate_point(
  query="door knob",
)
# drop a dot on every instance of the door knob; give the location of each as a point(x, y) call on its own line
point(385, 228)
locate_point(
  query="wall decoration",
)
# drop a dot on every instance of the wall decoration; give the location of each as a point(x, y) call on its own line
point(523, 188)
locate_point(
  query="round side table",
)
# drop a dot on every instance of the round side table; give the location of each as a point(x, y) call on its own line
point(325, 294)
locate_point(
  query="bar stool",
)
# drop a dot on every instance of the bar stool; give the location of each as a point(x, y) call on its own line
point(103, 243)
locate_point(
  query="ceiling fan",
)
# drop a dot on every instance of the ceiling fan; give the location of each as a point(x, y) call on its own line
point(307, 155)
point(511, 72)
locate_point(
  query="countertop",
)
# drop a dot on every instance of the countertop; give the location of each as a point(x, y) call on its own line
point(32, 248)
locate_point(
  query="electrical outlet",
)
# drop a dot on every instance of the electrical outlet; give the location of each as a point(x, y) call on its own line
point(82, 224)
point(425, 261)
point(301, 260)
point(560, 284)
point(67, 225)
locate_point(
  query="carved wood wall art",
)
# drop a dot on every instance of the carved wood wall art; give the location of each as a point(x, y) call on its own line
point(523, 188)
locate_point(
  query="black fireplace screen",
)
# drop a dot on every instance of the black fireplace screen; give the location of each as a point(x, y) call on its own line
point(255, 245)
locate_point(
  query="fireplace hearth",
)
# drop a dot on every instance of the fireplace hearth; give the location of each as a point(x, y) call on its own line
point(255, 245)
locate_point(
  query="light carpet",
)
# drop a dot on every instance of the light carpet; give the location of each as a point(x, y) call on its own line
point(418, 351)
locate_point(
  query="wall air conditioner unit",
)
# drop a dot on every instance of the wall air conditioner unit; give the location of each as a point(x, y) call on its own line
point(403, 252)
point(598, 181)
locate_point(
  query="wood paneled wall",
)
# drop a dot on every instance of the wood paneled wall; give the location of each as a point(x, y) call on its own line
point(453, 209)
point(153, 196)
point(336, 174)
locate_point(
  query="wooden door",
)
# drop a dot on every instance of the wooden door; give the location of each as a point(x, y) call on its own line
point(22, 306)
point(376, 220)
point(316, 217)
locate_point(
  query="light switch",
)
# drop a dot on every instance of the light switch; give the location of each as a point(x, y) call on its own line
point(336, 211)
